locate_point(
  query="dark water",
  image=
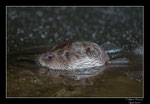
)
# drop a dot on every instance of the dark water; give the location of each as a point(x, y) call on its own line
point(33, 30)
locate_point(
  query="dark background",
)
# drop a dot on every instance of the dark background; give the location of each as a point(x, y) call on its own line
point(28, 27)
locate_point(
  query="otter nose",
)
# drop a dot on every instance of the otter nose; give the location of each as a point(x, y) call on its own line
point(47, 56)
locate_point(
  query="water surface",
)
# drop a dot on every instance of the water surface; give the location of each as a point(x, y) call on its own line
point(33, 30)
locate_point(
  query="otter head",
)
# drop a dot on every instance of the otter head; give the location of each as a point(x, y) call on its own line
point(74, 55)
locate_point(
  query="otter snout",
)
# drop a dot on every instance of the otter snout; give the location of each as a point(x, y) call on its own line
point(47, 56)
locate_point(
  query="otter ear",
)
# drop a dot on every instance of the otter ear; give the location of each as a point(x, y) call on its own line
point(89, 50)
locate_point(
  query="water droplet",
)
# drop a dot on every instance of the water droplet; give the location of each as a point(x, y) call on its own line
point(39, 13)
point(56, 35)
point(50, 19)
point(86, 16)
point(21, 39)
point(93, 35)
point(12, 41)
point(58, 17)
point(30, 35)
point(43, 36)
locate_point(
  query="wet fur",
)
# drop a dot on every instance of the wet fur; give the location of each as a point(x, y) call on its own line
point(82, 55)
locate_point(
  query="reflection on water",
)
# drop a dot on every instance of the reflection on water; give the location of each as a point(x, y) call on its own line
point(25, 79)
point(32, 31)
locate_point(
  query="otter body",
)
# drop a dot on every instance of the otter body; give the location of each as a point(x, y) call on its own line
point(70, 55)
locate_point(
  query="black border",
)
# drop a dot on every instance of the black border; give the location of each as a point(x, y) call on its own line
point(75, 2)
point(57, 100)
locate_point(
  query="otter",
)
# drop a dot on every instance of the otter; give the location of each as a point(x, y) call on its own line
point(70, 55)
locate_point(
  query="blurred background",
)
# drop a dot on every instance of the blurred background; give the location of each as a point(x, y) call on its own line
point(29, 27)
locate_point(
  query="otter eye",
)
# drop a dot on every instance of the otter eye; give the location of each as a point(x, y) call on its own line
point(67, 54)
